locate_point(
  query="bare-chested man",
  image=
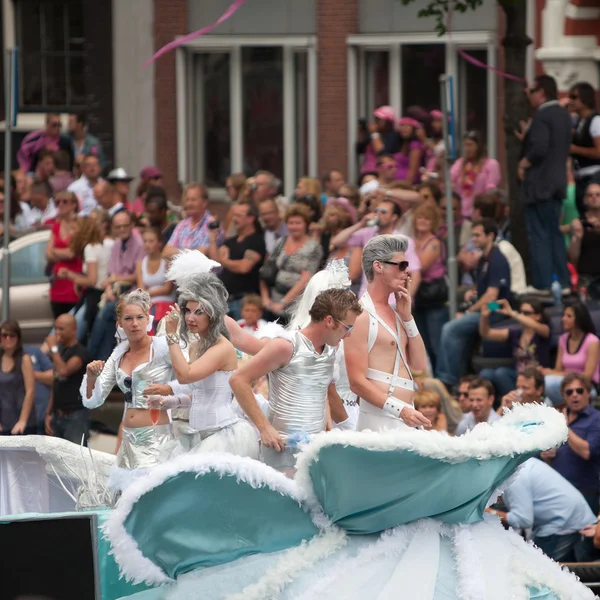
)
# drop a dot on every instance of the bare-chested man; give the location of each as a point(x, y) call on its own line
point(386, 343)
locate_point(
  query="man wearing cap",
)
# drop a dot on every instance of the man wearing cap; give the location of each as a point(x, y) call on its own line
point(120, 181)
point(84, 186)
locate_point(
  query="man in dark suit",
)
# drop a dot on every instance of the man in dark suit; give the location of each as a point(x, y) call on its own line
point(543, 172)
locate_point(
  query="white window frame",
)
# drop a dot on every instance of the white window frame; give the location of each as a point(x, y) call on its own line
point(190, 153)
point(358, 44)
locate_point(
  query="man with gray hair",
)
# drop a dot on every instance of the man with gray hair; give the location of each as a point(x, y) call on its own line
point(386, 338)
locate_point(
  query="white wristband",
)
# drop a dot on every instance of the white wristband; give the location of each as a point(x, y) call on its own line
point(376, 135)
point(411, 328)
point(394, 407)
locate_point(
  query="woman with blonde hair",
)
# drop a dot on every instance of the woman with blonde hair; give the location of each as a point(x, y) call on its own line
point(87, 242)
point(138, 361)
point(429, 403)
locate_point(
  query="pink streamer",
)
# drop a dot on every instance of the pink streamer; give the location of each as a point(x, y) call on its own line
point(481, 65)
point(196, 34)
point(474, 61)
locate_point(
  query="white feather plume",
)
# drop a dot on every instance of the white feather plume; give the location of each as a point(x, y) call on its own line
point(187, 264)
point(335, 275)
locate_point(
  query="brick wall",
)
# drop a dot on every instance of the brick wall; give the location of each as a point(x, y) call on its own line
point(170, 20)
point(335, 21)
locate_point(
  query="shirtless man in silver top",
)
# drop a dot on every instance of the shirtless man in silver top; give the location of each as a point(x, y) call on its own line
point(386, 343)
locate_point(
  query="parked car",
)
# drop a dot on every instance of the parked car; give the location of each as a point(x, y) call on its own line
point(29, 285)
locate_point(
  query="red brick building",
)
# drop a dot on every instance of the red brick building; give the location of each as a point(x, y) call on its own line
point(281, 85)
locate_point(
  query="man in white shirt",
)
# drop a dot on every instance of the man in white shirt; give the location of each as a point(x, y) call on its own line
point(84, 186)
point(481, 396)
point(42, 208)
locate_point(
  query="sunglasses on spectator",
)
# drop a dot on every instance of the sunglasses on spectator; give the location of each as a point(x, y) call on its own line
point(463, 394)
point(571, 391)
point(402, 265)
point(381, 211)
point(528, 313)
point(10, 336)
point(533, 90)
point(573, 97)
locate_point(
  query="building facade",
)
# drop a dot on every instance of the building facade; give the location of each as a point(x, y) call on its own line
point(281, 85)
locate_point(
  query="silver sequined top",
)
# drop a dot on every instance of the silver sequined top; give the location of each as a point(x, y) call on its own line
point(298, 391)
point(157, 370)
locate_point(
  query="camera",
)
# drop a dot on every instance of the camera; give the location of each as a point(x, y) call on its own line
point(253, 187)
point(214, 225)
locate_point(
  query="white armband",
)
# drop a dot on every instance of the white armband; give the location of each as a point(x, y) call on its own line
point(394, 407)
point(411, 328)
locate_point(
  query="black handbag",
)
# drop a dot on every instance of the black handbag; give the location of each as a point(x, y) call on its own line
point(268, 272)
point(432, 294)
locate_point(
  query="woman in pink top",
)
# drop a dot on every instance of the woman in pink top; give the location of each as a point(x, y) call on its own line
point(578, 352)
point(430, 309)
point(380, 137)
point(475, 173)
point(409, 158)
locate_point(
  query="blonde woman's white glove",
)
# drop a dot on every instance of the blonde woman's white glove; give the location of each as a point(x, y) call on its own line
point(168, 402)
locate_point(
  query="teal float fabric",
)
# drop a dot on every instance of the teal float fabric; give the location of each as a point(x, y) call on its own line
point(366, 491)
point(191, 522)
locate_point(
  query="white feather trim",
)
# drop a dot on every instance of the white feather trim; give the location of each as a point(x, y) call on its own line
point(187, 264)
point(274, 330)
point(293, 562)
point(505, 437)
point(391, 543)
point(133, 564)
point(470, 585)
point(531, 567)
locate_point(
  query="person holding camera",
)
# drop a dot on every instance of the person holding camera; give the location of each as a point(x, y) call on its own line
point(585, 242)
point(492, 285)
point(530, 342)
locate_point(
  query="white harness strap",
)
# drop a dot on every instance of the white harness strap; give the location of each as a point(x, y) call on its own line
point(374, 374)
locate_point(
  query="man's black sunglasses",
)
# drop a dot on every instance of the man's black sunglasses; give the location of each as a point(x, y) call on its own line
point(402, 265)
point(571, 391)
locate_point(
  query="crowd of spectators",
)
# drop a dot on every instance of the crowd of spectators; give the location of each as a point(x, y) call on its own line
point(508, 343)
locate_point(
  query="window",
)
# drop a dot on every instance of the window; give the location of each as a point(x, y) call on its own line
point(422, 65)
point(262, 98)
point(245, 106)
point(50, 36)
point(216, 116)
point(27, 264)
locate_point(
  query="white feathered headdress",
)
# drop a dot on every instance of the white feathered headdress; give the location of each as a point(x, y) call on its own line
point(187, 264)
point(335, 275)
